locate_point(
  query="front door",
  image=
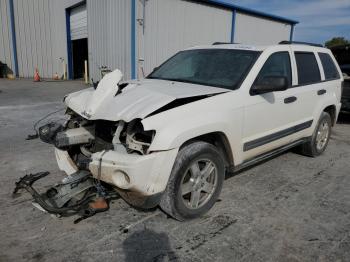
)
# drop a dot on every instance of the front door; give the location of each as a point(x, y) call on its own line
point(271, 120)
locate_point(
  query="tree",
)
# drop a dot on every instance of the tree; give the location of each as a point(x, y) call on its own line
point(337, 41)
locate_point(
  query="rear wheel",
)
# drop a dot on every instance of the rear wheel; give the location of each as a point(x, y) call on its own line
point(195, 181)
point(319, 140)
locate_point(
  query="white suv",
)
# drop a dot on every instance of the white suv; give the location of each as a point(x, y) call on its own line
point(169, 139)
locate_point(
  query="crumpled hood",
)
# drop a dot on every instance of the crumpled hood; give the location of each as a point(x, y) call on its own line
point(137, 100)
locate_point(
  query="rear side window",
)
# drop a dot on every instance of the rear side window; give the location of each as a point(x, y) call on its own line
point(308, 71)
point(329, 68)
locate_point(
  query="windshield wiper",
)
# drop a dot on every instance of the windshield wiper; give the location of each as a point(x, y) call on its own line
point(193, 82)
point(171, 79)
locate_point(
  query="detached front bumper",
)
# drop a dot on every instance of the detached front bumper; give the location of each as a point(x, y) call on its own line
point(139, 179)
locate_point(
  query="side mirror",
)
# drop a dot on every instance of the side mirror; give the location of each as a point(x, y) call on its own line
point(269, 84)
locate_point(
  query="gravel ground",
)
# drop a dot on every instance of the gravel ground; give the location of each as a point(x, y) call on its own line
point(290, 208)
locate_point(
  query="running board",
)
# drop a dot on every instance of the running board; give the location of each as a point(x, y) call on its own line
point(268, 155)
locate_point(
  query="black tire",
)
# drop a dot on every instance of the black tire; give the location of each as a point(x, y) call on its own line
point(195, 154)
point(310, 148)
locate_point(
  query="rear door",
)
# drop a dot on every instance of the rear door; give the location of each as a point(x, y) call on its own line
point(316, 90)
point(309, 77)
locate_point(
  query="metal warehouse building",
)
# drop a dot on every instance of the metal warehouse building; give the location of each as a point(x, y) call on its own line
point(132, 35)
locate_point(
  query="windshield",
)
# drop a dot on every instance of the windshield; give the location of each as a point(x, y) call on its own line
point(224, 68)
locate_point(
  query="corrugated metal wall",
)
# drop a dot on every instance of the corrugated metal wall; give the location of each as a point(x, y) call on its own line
point(41, 35)
point(5, 35)
point(109, 30)
point(59, 35)
point(255, 30)
point(171, 26)
point(33, 34)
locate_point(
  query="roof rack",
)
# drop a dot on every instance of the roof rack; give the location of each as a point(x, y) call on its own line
point(298, 43)
point(224, 43)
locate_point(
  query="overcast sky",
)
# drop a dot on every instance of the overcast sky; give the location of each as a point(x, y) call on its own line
point(320, 20)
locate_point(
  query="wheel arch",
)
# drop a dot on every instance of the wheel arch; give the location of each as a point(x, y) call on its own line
point(220, 141)
point(332, 111)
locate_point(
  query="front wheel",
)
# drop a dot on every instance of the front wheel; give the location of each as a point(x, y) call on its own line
point(319, 140)
point(195, 181)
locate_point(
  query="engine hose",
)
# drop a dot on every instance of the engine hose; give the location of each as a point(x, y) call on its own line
point(85, 151)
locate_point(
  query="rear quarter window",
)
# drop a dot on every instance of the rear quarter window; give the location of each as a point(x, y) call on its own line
point(308, 71)
point(329, 68)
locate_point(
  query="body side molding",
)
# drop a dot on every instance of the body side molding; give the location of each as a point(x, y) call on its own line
point(275, 136)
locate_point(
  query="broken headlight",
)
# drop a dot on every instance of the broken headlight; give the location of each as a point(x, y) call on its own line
point(137, 139)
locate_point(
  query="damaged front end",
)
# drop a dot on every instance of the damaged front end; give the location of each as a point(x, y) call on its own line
point(82, 138)
point(113, 152)
point(104, 135)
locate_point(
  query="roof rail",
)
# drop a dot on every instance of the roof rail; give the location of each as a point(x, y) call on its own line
point(298, 43)
point(224, 43)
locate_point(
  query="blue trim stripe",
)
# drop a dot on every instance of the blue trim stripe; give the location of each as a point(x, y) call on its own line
point(291, 33)
point(69, 46)
point(233, 26)
point(13, 35)
point(133, 39)
point(230, 5)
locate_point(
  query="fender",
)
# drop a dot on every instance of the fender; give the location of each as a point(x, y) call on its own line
point(330, 100)
point(178, 125)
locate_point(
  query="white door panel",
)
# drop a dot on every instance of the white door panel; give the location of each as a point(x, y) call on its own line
point(309, 92)
point(271, 121)
point(270, 116)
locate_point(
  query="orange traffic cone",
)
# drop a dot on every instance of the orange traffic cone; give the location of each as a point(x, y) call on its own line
point(36, 75)
point(55, 76)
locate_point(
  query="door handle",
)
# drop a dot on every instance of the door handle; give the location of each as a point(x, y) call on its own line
point(290, 99)
point(321, 92)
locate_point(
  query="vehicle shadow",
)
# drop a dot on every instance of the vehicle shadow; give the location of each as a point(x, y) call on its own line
point(344, 118)
point(147, 245)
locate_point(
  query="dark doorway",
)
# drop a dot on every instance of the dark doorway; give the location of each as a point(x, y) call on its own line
point(80, 54)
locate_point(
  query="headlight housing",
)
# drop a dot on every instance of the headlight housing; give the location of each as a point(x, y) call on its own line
point(137, 139)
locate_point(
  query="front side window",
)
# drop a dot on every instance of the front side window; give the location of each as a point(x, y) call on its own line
point(329, 68)
point(308, 71)
point(225, 68)
point(278, 64)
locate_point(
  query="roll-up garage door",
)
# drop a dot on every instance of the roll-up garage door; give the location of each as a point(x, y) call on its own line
point(78, 22)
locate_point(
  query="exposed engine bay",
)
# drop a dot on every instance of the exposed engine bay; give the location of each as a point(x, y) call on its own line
point(81, 138)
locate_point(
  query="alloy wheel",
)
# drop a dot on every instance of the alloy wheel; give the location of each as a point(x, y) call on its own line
point(199, 183)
